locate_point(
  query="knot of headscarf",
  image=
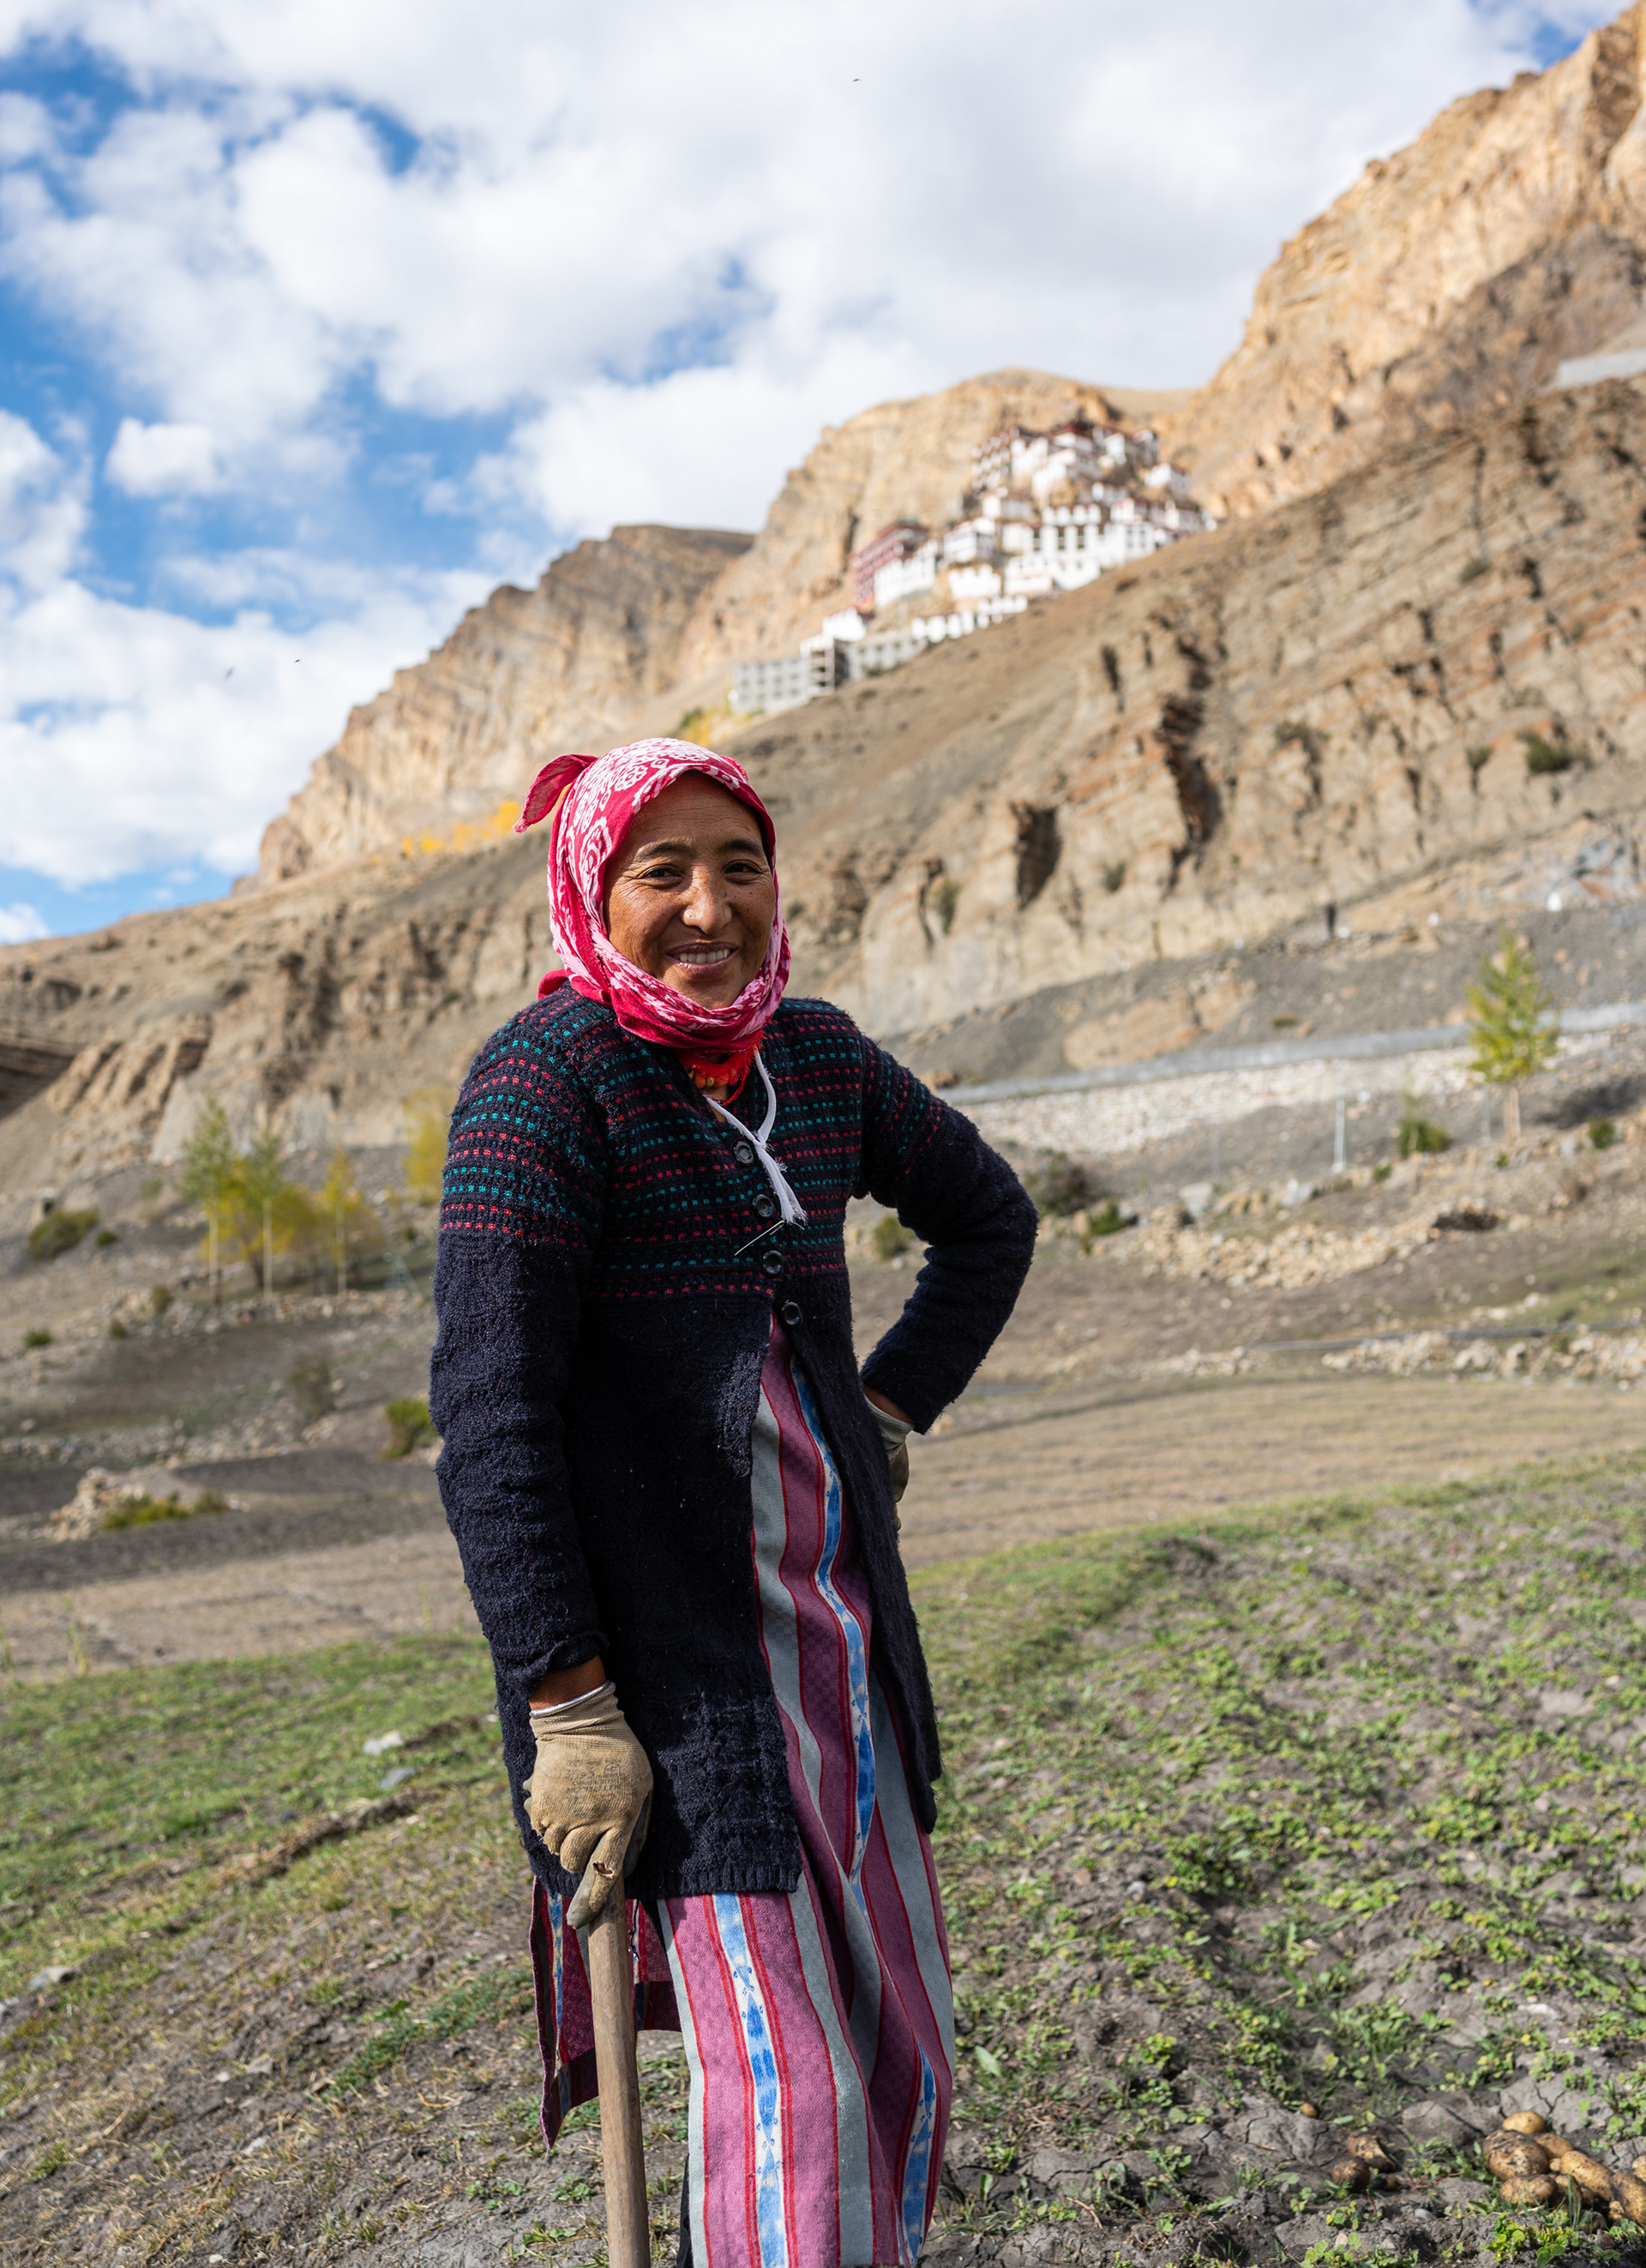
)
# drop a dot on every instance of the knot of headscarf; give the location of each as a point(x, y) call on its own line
point(593, 800)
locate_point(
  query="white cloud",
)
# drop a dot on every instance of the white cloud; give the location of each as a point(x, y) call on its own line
point(42, 513)
point(660, 246)
point(945, 187)
point(131, 737)
point(703, 447)
point(155, 461)
point(20, 925)
point(26, 129)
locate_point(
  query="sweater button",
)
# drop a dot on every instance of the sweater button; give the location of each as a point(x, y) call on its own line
point(773, 1263)
point(790, 1313)
point(743, 1155)
point(763, 1208)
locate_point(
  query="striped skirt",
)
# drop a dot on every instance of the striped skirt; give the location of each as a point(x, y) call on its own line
point(818, 2024)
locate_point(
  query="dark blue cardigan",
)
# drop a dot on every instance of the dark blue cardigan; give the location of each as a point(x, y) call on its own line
point(607, 1275)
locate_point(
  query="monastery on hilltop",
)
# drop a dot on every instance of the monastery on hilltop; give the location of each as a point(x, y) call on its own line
point(1045, 512)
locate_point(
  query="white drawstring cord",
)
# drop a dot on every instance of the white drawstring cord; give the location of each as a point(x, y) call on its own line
point(789, 1206)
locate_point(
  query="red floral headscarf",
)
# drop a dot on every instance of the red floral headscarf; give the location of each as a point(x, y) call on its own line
point(593, 800)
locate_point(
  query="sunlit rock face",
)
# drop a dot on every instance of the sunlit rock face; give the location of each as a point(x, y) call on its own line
point(1453, 277)
point(528, 674)
point(1417, 691)
point(1405, 680)
point(900, 461)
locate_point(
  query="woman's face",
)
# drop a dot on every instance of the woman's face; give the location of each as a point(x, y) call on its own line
point(690, 896)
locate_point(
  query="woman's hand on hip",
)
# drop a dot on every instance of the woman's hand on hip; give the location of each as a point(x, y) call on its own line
point(895, 1429)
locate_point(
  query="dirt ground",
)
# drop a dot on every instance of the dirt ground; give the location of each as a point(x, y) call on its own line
point(1173, 1369)
point(1160, 1376)
point(1028, 1467)
point(1335, 1809)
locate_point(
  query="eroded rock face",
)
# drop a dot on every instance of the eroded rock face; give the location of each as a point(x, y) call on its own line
point(622, 637)
point(317, 1005)
point(521, 678)
point(1417, 692)
point(1452, 277)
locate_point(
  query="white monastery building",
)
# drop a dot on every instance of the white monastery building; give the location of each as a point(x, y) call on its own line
point(1046, 512)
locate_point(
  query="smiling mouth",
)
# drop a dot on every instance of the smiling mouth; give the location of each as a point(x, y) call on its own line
point(702, 956)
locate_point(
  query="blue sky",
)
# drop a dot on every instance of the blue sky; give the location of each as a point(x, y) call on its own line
point(316, 322)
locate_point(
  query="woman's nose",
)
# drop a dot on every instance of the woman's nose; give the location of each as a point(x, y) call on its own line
point(706, 902)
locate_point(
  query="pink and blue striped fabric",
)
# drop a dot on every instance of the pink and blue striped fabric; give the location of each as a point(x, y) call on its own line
point(565, 2013)
point(819, 2024)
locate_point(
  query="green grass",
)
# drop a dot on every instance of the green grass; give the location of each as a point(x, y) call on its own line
point(144, 1511)
point(1419, 1136)
point(482, 1999)
point(146, 1781)
point(890, 1237)
point(1305, 1734)
point(409, 1425)
point(58, 1231)
point(1284, 1731)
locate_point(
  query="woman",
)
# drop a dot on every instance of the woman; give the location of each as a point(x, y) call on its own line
point(675, 1501)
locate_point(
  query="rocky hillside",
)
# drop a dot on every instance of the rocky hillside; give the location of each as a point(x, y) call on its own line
point(625, 635)
point(1451, 278)
point(529, 674)
point(319, 1004)
point(1418, 692)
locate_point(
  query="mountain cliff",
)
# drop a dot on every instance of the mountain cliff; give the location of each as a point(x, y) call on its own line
point(622, 635)
point(1452, 277)
point(525, 675)
point(1405, 680)
point(1421, 688)
point(1418, 692)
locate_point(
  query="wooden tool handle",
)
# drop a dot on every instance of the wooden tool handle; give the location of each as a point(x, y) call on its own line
point(611, 1988)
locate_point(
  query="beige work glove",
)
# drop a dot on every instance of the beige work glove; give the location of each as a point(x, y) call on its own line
point(895, 1433)
point(589, 1794)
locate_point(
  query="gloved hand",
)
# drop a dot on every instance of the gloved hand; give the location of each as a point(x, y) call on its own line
point(895, 1433)
point(588, 1791)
